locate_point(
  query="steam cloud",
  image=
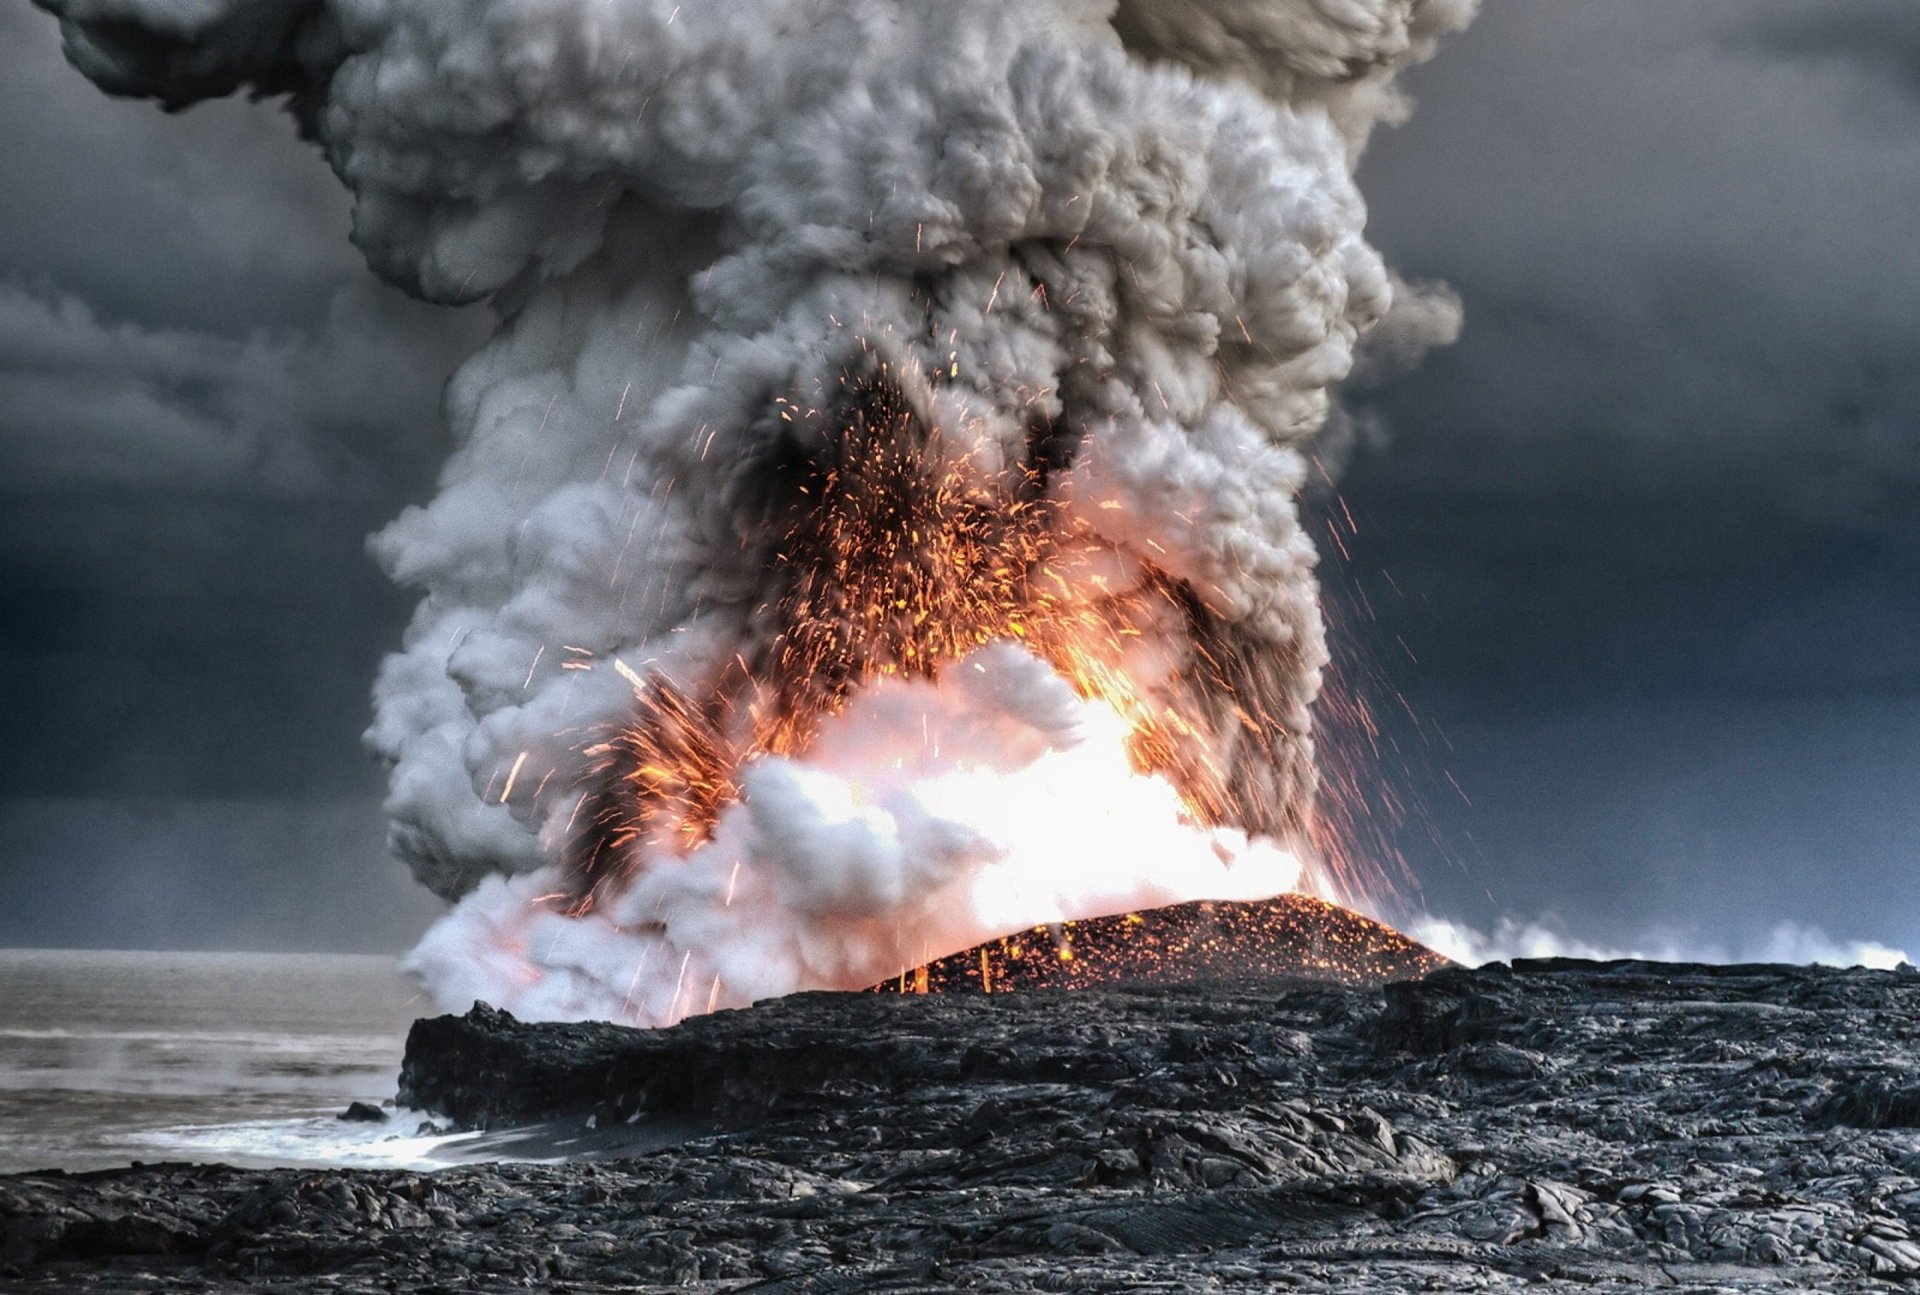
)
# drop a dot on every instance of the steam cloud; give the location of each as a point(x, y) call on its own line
point(1787, 942)
point(1080, 274)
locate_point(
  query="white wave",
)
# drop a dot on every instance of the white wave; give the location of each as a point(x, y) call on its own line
point(1547, 937)
point(317, 1140)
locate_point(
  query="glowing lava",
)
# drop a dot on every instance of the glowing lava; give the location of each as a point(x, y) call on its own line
point(967, 715)
point(1291, 936)
point(897, 554)
point(927, 817)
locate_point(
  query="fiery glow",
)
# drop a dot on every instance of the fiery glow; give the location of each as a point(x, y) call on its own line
point(966, 717)
point(898, 555)
point(1293, 936)
point(928, 816)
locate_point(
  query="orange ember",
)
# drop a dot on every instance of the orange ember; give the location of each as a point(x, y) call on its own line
point(1291, 936)
point(896, 555)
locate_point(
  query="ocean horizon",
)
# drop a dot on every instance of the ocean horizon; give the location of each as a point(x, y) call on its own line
point(108, 1057)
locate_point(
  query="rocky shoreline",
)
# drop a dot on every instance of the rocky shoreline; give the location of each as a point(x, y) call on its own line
point(1553, 1125)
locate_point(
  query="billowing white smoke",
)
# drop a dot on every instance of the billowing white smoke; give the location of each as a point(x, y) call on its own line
point(1119, 236)
point(927, 818)
point(1788, 942)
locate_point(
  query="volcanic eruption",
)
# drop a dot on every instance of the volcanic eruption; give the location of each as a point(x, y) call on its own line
point(874, 528)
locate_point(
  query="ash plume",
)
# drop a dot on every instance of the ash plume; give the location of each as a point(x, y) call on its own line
point(874, 525)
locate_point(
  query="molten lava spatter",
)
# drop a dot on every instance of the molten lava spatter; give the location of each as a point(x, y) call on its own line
point(1292, 936)
point(895, 554)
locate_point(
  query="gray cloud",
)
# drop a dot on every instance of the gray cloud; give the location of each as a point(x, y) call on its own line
point(206, 404)
point(282, 874)
point(1677, 257)
point(1690, 819)
point(1684, 390)
point(138, 212)
point(1878, 37)
point(1652, 530)
point(167, 330)
point(89, 402)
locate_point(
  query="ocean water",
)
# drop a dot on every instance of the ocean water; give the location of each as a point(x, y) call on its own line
point(237, 1058)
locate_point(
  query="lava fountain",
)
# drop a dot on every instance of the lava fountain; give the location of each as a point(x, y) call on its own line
point(873, 530)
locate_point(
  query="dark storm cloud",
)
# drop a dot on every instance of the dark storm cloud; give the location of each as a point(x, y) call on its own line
point(1878, 37)
point(206, 404)
point(180, 309)
point(90, 402)
point(275, 874)
point(1652, 529)
point(1683, 405)
point(214, 220)
point(1689, 825)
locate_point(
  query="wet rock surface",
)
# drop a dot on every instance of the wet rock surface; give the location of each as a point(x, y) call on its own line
point(1556, 1125)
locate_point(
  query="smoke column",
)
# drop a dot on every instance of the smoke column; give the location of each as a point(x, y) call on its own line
point(873, 527)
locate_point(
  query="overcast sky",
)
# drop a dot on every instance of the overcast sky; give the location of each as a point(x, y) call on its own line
point(1641, 555)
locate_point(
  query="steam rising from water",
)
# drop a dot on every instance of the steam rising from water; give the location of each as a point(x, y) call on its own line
point(1787, 942)
point(1102, 262)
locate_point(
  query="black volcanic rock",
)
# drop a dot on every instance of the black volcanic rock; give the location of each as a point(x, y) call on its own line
point(1875, 1102)
point(488, 1070)
point(1550, 1126)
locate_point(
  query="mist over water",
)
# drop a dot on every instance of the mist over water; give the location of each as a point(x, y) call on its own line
point(244, 1058)
point(1548, 937)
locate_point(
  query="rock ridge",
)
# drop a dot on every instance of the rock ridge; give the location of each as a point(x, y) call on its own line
point(1556, 1125)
